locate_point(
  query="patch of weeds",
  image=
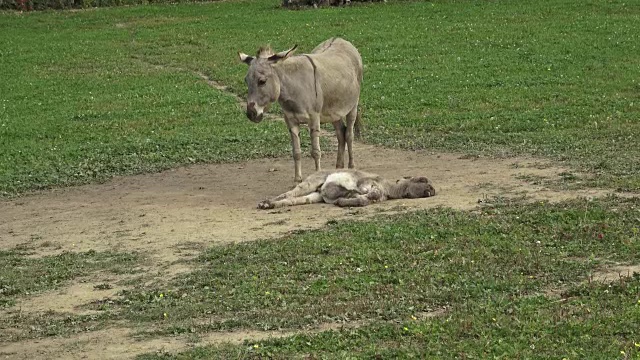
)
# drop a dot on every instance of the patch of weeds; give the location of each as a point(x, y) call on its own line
point(275, 223)
point(593, 322)
point(21, 275)
point(499, 200)
point(568, 176)
point(135, 280)
point(484, 185)
point(29, 326)
point(103, 286)
point(391, 267)
point(534, 179)
point(46, 244)
point(535, 165)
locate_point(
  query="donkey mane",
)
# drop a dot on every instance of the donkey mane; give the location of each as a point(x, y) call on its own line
point(265, 51)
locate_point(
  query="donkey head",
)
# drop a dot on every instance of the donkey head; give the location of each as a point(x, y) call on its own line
point(262, 81)
point(416, 187)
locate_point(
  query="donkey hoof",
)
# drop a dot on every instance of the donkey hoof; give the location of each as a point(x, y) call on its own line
point(265, 205)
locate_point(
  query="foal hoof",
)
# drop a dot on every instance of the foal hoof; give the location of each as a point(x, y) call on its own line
point(374, 195)
point(265, 205)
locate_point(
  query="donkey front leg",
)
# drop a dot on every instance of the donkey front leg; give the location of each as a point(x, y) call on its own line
point(314, 132)
point(294, 131)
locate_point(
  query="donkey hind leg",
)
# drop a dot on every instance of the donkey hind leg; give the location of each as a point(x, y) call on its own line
point(312, 198)
point(340, 133)
point(351, 120)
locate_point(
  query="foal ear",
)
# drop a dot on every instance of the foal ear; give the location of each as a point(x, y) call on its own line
point(282, 55)
point(245, 58)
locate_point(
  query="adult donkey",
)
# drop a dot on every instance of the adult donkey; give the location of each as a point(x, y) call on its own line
point(315, 88)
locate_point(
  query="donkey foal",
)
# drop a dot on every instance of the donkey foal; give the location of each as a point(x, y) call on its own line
point(350, 187)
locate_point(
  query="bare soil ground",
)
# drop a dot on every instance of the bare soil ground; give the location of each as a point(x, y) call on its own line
point(174, 214)
point(171, 214)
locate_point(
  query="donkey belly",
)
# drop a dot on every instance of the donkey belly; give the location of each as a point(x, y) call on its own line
point(339, 84)
point(339, 99)
point(338, 185)
point(342, 178)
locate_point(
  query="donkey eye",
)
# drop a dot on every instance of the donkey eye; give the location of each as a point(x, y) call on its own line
point(262, 82)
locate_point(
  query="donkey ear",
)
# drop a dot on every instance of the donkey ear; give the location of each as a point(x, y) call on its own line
point(245, 58)
point(282, 55)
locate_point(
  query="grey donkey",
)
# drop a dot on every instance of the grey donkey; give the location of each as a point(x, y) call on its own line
point(346, 188)
point(320, 87)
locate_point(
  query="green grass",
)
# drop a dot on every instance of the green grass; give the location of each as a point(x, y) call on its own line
point(21, 275)
point(81, 103)
point(78, 106)
point(391, 269)
point(593, 322)
point(83, 100)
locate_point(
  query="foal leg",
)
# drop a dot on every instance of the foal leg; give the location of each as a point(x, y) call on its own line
point(309, 186)
point(312, 198)
point(359, 200)
point(340, 130)
point(351, 120)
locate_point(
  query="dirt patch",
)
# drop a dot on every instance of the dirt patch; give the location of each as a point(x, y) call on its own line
point(71, 298)
point(112, 343)
point(613, 273)
point(121, 343)
point(606, 274)
point(173, 215)
point(202, 205)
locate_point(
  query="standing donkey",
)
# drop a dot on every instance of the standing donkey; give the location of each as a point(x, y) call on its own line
point(315, 88)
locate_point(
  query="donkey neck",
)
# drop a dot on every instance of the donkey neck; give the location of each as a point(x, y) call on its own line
point(297, 77)
point(396, 191)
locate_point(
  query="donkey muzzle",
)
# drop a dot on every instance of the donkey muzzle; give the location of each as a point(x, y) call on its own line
point(253, 114)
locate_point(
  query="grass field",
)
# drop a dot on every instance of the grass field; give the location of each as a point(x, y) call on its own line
point(88, 95)
point(81, 102)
